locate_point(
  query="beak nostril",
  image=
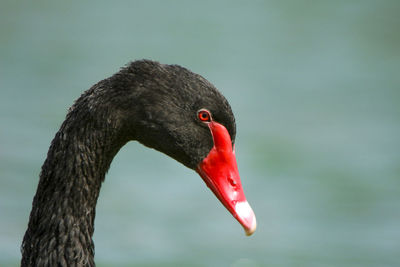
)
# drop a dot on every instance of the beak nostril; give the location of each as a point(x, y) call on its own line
point(232, 181)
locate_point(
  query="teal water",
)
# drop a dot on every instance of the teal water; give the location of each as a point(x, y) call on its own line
point(315, 88)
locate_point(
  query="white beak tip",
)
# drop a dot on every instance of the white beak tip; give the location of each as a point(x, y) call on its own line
point(246, 217)
point(252, 229)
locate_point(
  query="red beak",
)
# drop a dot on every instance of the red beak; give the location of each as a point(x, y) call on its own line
point(220, 173)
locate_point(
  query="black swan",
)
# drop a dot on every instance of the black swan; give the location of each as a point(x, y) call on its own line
point(164, 107)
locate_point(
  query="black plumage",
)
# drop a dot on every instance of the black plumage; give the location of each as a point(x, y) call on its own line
point(152, 103)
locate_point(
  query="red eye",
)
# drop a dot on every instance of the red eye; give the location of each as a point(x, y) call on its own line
point(204, 115)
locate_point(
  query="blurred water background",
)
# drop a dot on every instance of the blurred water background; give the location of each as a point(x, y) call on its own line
point(314, 85)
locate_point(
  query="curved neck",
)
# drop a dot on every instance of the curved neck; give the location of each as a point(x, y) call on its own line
point(62, 219)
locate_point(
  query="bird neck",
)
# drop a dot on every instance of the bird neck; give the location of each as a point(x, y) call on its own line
point(61, 223)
